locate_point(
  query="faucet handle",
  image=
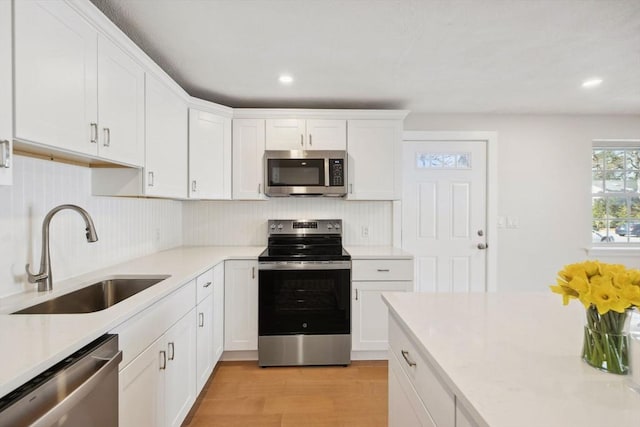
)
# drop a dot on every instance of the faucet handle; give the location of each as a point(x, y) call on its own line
point(35, 278)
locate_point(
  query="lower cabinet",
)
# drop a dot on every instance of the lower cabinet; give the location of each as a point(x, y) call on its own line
point(418, 396)
point(369, 330)
point(241, 305)
point(158, 387)
point(204, 338)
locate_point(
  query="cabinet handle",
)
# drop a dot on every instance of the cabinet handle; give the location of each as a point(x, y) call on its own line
point(94, 133)
point(302, 140)
point(163, 360)
point(5, 154)
point(405, 354)
point(107, 137)
point(201, 322)
point(356, 294)
point(259, 188)
point(383, 270)
point(206, 285)
point(350, 188)
point(172, 353)
point(253, 272)
point(310, 142)
point(193, 185)
point(150, 183)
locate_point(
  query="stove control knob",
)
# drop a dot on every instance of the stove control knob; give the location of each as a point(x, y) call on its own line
point(329, 226)
point(280, 227)
point(273, 226)
point(337, 226)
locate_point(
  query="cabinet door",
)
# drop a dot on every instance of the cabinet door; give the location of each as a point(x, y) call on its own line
point(204, 339)
point(285, 134)
point(141, 385)
point(248, 152)
point(6, 107)
point(209, 156)
point(405, 407)
point(180, 375)
point(374, 155)
point(55, 104)
point(326, 135)
point(120, 105)
point(166, 142)
point(218, 312)
point(241, 305)
point(369, 327)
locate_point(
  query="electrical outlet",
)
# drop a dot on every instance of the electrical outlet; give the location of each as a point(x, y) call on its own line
point(365, 231)
point(502, 221)
point(513, 222)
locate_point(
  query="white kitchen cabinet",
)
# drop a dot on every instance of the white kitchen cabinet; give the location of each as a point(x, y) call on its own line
point(374, 164)
point(425, 384)
point(120, 105)
point(248, 153)
point(166, 141)
point(55, 77)
point(313, 134)
point(180, 372)
point(405, 407)
point(204, 337)
point(369, 278)
point(6, 88)
point(89, 100)
point(218, 312)
point(241, 305)
point(141, 389)
point(209, 155)
point(158, 371)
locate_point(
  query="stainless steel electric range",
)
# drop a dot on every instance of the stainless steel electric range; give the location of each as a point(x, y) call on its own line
point(304, 295)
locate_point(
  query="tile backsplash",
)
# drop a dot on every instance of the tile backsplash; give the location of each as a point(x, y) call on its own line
point(126, 227)
point(245, 222)
point(132, 227)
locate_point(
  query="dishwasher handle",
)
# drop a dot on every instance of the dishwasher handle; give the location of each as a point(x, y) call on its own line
point(58, 411)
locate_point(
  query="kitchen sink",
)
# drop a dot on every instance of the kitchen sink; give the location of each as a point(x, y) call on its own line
point(96, 296)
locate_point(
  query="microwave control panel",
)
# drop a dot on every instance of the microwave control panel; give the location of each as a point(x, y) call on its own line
point(336, 172)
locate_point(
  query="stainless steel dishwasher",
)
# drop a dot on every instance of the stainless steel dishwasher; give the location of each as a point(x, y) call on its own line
point(81, 390)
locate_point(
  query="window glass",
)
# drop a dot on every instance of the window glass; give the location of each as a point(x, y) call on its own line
point(615, 195)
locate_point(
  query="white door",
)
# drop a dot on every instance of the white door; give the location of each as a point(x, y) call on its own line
point(444, 213)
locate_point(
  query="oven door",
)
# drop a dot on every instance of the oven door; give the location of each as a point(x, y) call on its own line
point(311, 298)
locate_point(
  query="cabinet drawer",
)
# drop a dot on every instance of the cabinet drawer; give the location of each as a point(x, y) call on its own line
point(140, 331)
point(204, 284)
point(382, 269)
point(439, 401)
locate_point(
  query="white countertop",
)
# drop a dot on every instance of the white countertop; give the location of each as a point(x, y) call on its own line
point(377, 252)
point(514, 359)
point(32, 343)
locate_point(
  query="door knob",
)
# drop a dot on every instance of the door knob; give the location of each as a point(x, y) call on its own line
point(482, 246)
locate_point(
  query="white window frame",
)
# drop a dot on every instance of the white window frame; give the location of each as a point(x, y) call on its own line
point(612, 248)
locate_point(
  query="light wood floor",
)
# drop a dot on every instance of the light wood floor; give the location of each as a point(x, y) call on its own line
point(243, 394)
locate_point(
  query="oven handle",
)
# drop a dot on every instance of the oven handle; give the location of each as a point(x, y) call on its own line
point(304, 265)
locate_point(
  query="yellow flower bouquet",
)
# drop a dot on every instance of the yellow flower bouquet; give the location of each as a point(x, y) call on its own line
point(607, 291)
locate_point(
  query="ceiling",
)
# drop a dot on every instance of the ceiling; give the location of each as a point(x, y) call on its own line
point(434, 56)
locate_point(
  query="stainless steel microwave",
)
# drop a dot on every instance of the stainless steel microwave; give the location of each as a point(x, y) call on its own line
point(305, 173)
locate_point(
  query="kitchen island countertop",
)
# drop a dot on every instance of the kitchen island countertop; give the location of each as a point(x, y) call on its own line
point(513, 359)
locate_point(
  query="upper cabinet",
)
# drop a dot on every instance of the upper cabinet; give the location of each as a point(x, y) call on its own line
point(313, 134)
point(248, 153)
point(209, 155)
point(374, 159)
point(74, 89)
point(166, 141)
point(6, 109)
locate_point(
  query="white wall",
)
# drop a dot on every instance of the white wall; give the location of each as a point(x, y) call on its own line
point(245, 222)
point(544, 174)
point(127, 228)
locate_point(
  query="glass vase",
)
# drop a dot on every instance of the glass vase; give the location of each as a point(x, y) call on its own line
point(606, 341)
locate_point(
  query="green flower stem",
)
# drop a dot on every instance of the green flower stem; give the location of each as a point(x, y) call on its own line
point(605, 342)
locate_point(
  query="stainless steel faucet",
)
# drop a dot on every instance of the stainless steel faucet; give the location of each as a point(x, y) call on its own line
point(43, 278)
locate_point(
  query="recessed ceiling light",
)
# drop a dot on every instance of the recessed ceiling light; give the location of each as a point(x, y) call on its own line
point(285, 79)
point(592, 82)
